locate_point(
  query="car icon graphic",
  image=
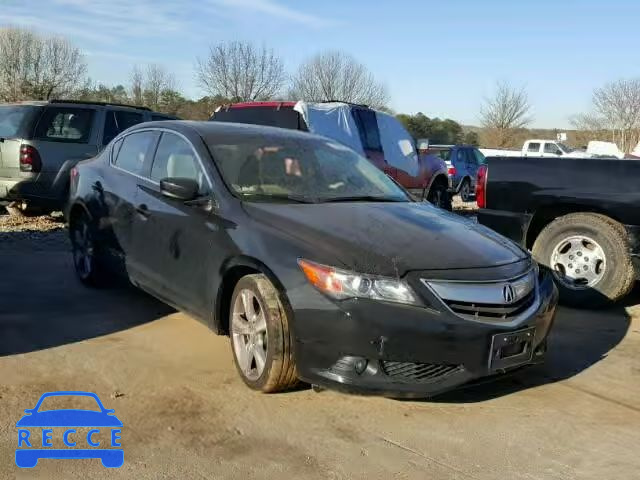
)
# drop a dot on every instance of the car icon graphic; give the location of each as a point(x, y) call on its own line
point(69, 418)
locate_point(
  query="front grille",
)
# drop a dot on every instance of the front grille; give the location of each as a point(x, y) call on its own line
point(419, 372)
point(492, 311)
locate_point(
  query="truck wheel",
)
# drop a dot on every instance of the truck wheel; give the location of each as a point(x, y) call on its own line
point(439, 196)
point(588, 254)
point(261, 336)
point(465, 190)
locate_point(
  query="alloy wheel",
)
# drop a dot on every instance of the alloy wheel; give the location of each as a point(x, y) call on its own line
point(249, 332)
point(465, 191)
point(83, 249)
point(578, 262)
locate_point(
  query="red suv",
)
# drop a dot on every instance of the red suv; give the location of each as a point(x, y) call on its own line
point(378, 136)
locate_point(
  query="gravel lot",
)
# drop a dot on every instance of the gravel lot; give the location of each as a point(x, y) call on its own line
point(186, 414)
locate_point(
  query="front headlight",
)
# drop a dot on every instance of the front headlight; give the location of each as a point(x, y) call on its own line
point(342, 284)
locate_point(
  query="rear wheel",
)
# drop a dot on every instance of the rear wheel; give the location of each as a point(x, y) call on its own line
point(588, 254)
point(439, 196)
point(465, 190)
point(261, 337)
point(25, 209)
point(84, 250)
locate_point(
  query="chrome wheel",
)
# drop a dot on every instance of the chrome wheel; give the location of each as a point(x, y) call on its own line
point(465, 191)
point(83, 249)
point(578, 262)
point(249, 333)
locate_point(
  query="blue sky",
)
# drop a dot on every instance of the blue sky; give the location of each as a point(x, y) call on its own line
point(440, 58)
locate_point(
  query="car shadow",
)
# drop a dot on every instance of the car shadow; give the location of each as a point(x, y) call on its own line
point(578, 340)
point(44, 305)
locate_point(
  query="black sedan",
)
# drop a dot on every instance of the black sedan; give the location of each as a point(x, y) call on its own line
point(316, 264)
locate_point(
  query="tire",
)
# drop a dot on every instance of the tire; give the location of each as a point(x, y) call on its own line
point(465, 190)
point(439, 196)
point(84, 249)
point(257, 315)
point(26, 210)
point(608, 276)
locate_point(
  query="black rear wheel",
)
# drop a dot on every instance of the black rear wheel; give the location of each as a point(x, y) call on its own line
point(439, 196)
point(84, 250)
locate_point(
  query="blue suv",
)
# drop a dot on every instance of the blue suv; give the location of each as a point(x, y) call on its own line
point(462, 163)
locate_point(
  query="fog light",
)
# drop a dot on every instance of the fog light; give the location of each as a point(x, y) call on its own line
point(360, 365)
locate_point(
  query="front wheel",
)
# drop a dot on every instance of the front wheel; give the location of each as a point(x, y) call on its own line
point(261, 336)
point(588, 254)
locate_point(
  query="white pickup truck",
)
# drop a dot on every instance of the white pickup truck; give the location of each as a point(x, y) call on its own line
point(537, 148)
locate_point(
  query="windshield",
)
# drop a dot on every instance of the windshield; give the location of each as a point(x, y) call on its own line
point(564, 148)
point(295, 170)
point(69, 402)
point(14, 119)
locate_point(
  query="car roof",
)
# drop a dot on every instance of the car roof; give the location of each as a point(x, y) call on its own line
point(219, 132)
point(79, 104)
point(287, 104)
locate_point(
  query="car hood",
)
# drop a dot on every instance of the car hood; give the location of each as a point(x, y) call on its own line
point(69, 418)
point(388, 238)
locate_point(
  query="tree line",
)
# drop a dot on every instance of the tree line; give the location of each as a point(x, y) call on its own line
point(39, 67)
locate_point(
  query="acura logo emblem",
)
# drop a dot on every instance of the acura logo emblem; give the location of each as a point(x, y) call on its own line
point(508, 293)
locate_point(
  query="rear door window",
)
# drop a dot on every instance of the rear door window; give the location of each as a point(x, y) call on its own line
point(134, 152)
point(118, 121)
point(480, 158)
point(16, 120)
point(368, 128)
point(68, 125)
point(533, 148)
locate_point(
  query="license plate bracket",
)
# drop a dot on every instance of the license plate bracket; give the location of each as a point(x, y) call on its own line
point(511, 349)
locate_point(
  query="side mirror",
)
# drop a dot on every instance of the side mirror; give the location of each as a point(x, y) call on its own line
point(184, 189)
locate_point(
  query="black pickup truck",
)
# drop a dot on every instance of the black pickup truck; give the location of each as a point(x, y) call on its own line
point(579, 217)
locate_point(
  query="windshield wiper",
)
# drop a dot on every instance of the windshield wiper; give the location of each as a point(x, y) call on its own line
point(281, 196)
point(362, 198)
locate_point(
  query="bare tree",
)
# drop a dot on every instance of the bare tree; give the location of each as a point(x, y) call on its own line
point(334, 75)
point(37, 67)
point(157, 81)
point(504, 113)
point(240, 71)
point(147, 88)
point(136, 88)
point(590, 127)
point(618, 105)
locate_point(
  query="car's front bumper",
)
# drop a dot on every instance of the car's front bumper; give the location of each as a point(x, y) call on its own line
point(410, 351)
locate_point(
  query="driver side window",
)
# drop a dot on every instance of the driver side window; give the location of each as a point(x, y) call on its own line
point(551, 148)
point(175, 158)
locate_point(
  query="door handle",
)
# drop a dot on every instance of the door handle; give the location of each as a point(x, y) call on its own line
point(143, 211)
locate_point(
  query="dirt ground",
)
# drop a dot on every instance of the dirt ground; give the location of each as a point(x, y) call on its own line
point(186, 414)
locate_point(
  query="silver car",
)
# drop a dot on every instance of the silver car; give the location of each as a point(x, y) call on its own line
point(41, 141)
